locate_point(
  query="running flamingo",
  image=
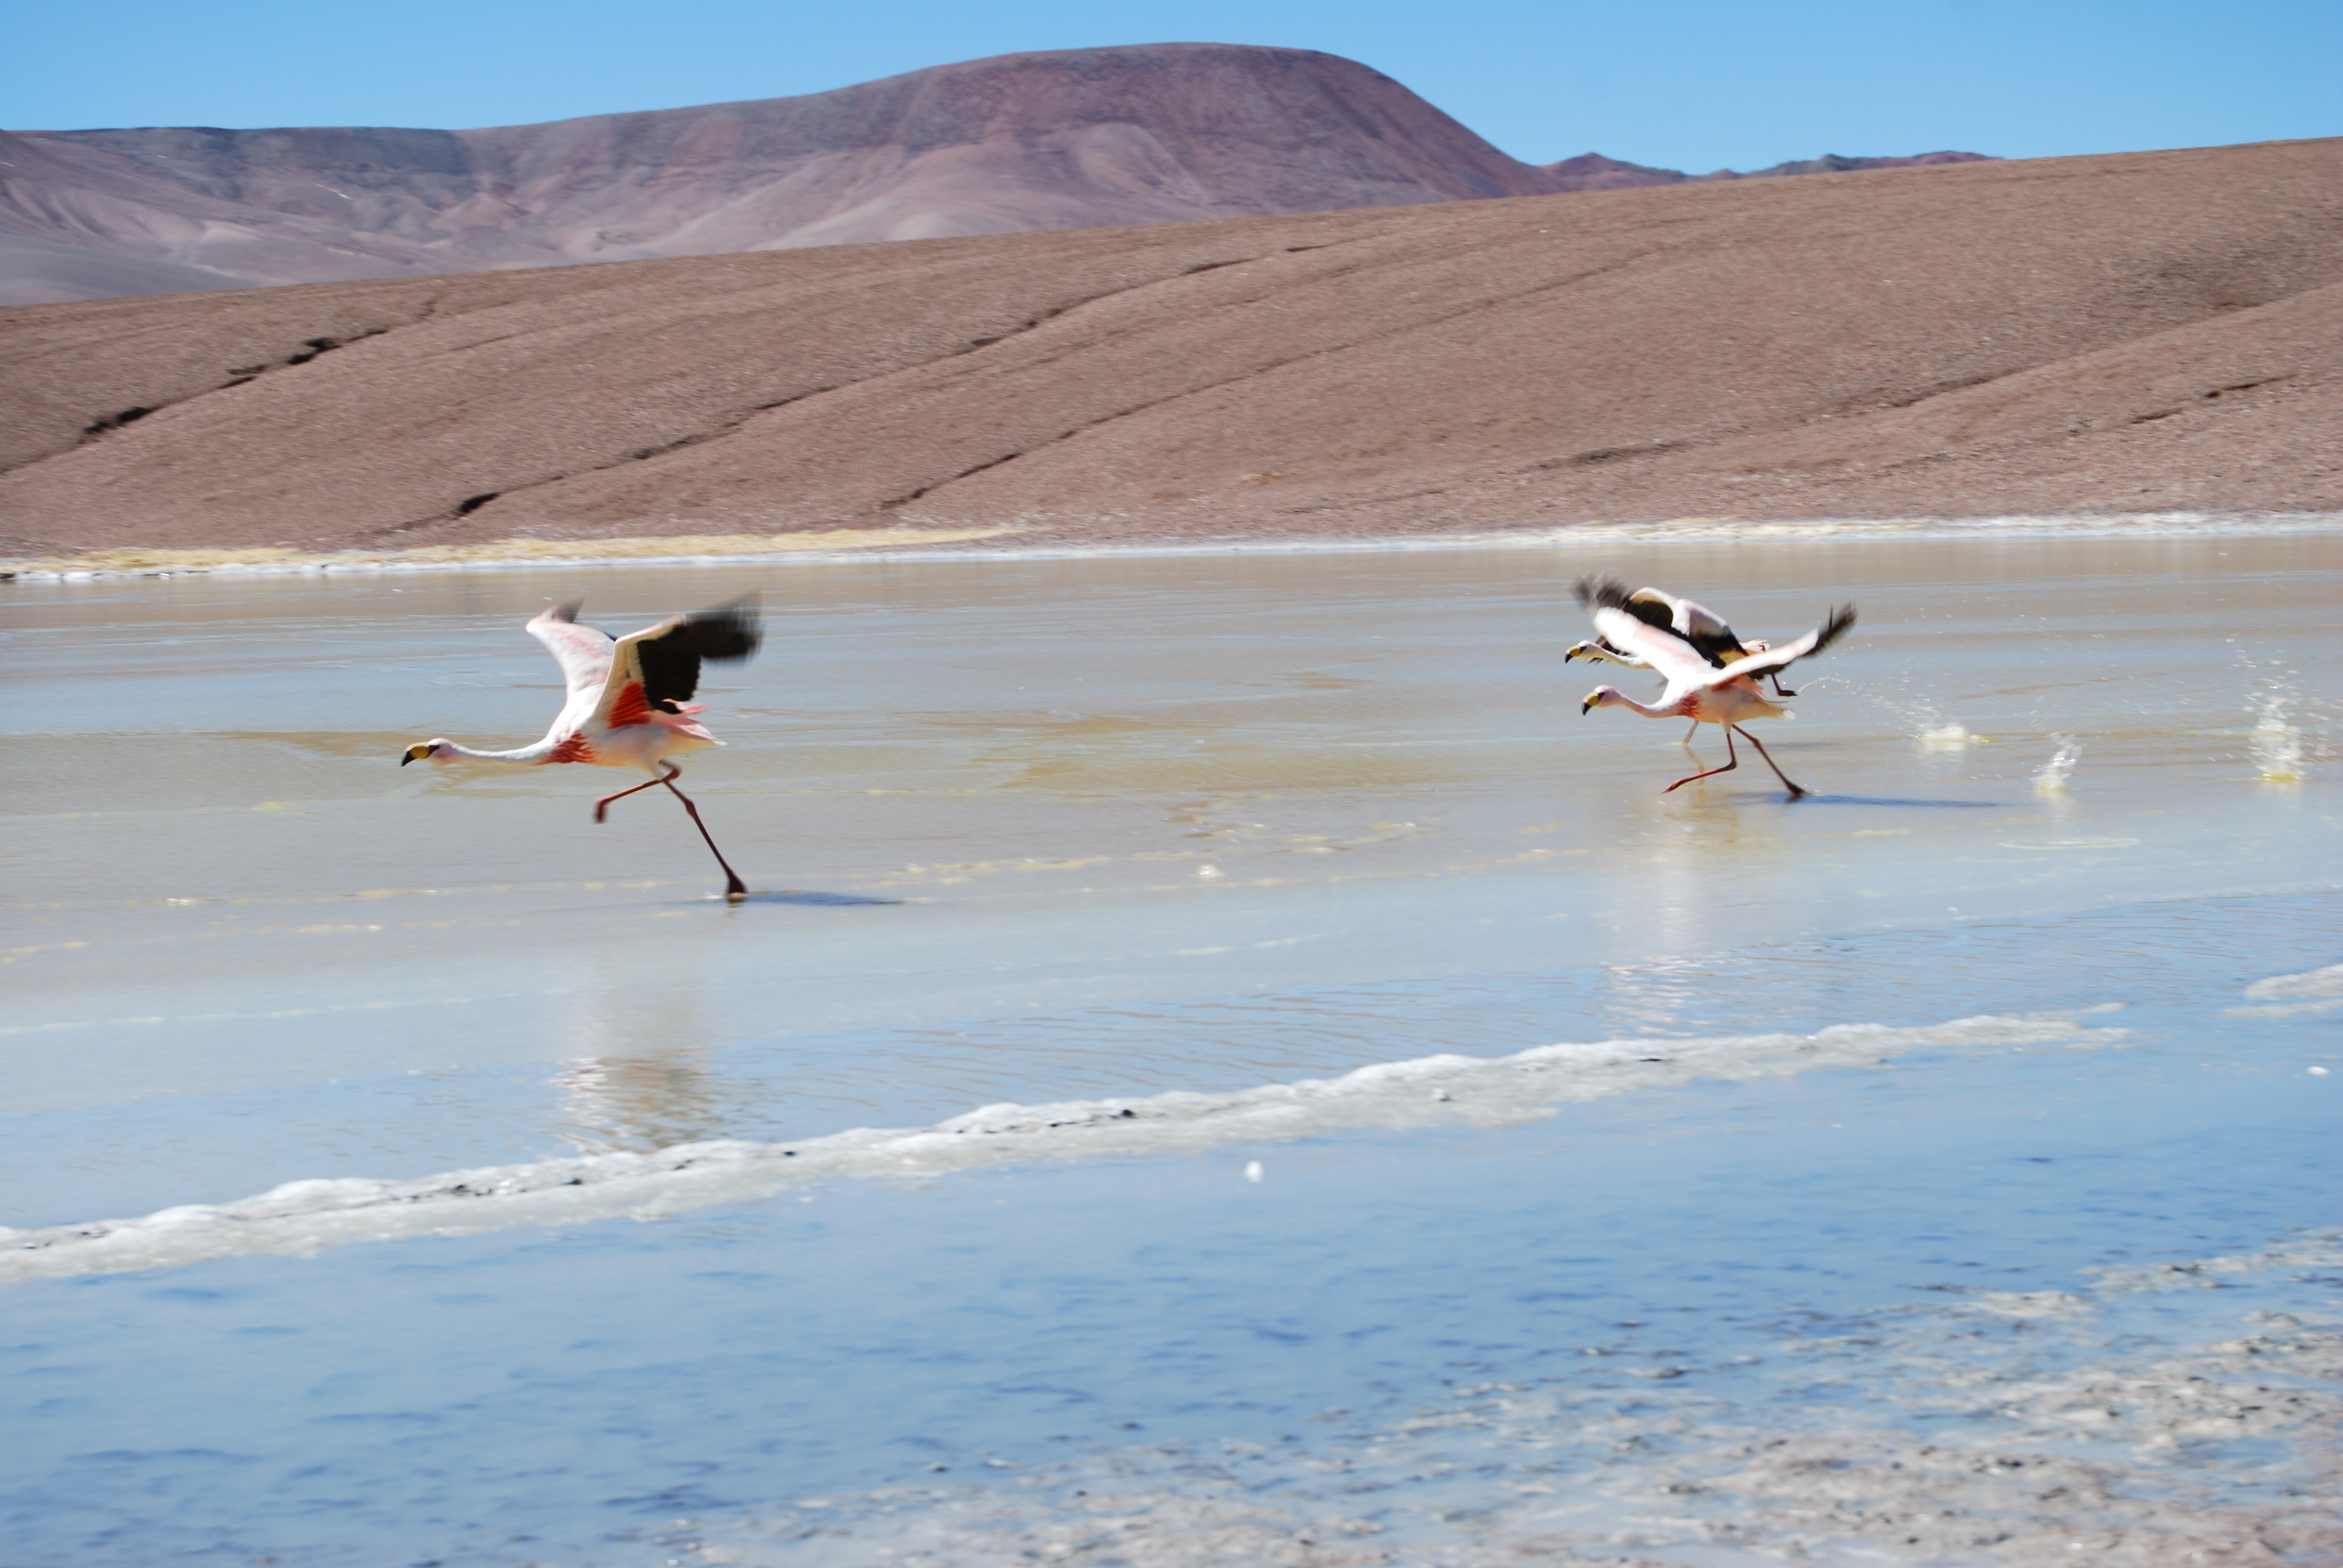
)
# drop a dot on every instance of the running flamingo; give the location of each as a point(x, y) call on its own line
point(1698, 689)
point(629, 703)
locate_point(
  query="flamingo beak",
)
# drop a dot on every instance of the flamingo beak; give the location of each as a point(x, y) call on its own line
point(405, 757)
point(1586, 706)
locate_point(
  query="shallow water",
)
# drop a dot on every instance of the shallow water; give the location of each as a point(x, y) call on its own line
point(1155, 836)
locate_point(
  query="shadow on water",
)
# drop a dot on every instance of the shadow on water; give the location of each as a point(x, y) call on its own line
point(817, 900)
point(1896, 801)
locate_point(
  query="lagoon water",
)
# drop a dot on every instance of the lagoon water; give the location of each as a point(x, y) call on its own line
point(1224, 1064)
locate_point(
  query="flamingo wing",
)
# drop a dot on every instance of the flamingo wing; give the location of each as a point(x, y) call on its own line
point(655, 671)
point(583, 653)
point(1697, 625)
point(1840, 621)
point(1663, 651)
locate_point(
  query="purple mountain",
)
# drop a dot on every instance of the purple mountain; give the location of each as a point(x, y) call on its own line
point(1153, 133)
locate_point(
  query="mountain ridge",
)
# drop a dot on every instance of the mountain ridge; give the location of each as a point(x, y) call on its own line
point(1062, 140)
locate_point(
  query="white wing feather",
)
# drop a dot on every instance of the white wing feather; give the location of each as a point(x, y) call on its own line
point(1665, 651)
point(1758, 664)
point(584, 655)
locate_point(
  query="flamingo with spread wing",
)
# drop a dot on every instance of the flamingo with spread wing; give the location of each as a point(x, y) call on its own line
point(1697, 688)
point(629, 703)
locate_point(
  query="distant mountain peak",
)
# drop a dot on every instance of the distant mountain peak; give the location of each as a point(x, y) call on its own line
point(1150, 132)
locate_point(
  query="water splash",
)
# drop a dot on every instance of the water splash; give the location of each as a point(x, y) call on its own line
point(2055, 773)
point(2277, 745)
point(1946, 736)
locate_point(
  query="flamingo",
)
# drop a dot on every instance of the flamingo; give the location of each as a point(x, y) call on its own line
point(1695, 623)
point(1697, 689)
point(628, 705)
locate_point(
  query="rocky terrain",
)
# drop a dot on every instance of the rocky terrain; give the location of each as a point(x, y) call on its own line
point(1152, 134)
point(2128, 333)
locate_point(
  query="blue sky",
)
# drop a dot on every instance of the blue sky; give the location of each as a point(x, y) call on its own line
point(1683, 83)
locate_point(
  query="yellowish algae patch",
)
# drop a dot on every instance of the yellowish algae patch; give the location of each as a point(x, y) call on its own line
point(281, 559)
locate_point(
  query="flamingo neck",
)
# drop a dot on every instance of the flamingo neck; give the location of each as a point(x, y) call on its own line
point(1623, 700)
point(519, 756)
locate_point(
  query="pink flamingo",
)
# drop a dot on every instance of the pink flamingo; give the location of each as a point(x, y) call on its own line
point(1697, 689)
point(628, 702)
point(1695, 623)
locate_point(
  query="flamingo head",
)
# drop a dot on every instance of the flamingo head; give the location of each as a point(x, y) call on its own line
point(434, 751)
point(1601, 696)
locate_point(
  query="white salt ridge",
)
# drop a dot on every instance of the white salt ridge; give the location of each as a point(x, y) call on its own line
point(2313, 1249)
point(2290, 996)
point(303, 1217)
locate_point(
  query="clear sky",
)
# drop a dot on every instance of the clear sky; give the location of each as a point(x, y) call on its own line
point(1696, 84)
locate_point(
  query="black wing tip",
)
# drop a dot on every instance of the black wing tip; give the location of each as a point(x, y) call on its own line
point(1602, 591)
point(726, 631)
point(1837, 625)
point(569, 611)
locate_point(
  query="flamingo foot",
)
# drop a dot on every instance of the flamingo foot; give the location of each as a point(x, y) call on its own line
point(735, 889)
point(1733, 760)
point(1796, 792)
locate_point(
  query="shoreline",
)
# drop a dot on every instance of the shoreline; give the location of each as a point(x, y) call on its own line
point(832, 547)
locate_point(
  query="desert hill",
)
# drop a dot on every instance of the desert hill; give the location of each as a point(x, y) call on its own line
point(1151, 133)
point(2126, 333)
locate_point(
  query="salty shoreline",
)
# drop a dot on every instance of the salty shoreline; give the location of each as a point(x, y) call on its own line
point(833, 545)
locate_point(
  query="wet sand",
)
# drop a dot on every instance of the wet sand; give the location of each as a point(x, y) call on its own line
point(1779, 1252)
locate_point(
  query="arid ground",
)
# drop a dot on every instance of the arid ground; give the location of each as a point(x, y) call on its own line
point(2123, 334)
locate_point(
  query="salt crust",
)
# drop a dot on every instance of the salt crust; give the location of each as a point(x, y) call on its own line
point(2051, 1437)
point(942, 541)
point(303, 1217)
point(2291, 996)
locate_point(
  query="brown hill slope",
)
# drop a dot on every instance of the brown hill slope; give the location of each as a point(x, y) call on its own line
point(2123, 333)
point(1070, 138)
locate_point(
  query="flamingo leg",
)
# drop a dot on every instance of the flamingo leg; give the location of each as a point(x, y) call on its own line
point(1733, 762)
point(1784, 778)
point(735, 889)
point(1691, 732)
point(603, 805)
point(1779, 690)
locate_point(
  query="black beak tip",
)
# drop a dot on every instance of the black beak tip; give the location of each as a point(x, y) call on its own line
point(405, 757)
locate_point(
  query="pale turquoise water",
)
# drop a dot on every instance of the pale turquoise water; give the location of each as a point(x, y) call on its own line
point(249, 950)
